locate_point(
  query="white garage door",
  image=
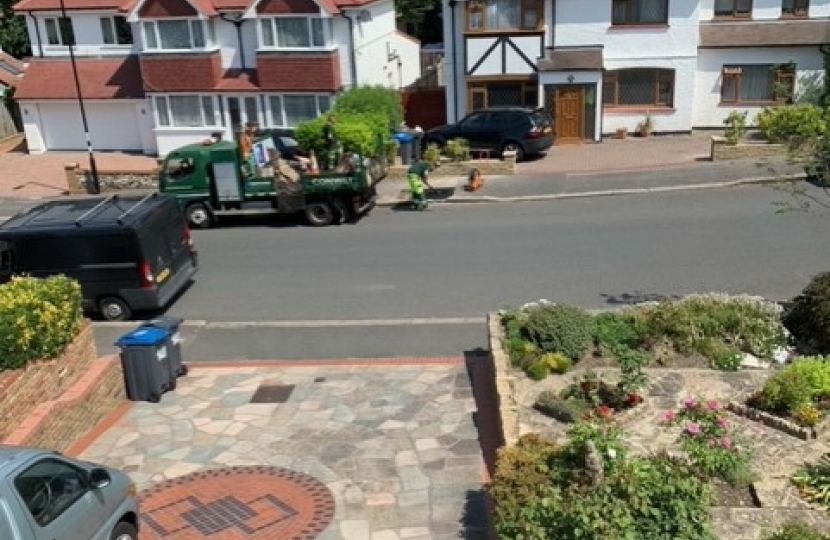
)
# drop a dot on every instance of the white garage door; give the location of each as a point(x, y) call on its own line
point(112, 126)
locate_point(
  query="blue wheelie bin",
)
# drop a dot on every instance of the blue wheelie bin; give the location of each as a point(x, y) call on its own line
point(174, 342)
point(405, 151)
point(145, 361)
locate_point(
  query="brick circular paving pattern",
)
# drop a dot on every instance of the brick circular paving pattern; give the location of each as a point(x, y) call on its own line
point(237, 503)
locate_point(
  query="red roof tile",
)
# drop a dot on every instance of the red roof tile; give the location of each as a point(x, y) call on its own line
point(72, 5)
point(106, 78)
point(11, 70)
point(238, 80)
point(207, 7)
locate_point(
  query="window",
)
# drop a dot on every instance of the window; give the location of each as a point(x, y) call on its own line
point(185, 111)
point(760, 83)
point(116, 31)
point(733, 8)
point(182, 34)
point(795, 8)
point(49, 487)
point(59, 31)
point(288, 110)
point(295, 32)
point(488, 15)
point(638, 87)
point(640, 12)
point(503, 93)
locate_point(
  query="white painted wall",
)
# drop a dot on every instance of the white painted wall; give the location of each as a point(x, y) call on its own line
point(708, 112)
point(88, 35)
point(171, 138)
point(408, 50)
point(453, 65)
point(226, 40)
point(31, 127)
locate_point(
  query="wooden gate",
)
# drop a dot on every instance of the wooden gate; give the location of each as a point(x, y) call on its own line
point(425, 107)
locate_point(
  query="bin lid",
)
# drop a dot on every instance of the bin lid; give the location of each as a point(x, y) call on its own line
point(143, 336)
point(403, 137)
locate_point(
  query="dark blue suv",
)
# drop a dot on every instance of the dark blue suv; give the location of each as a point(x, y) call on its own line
point(498, 130)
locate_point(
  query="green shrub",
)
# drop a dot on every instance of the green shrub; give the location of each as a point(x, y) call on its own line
point(809, 317)
point(560, 328)
point(813, 481)
point(735, 124)
point(537, 370)
point(365, 133)
point(567, 411)
point(457, 150)
point(38, 318)
point(803, 382)
point(722, 356)
point(372, 100)
point(791, 123)
point(750, 324)
point(614, 328)
point(795, 530)
point(432, 154)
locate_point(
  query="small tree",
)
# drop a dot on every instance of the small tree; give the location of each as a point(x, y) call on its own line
point(365, 134)
point(371, 100)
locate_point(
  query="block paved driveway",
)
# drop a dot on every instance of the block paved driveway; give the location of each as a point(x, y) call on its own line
point(375, 450)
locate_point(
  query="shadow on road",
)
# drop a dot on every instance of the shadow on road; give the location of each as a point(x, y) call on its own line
point(637, 297)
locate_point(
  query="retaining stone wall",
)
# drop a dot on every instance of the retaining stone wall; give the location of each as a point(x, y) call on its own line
point(76, 179)
point(721, 150)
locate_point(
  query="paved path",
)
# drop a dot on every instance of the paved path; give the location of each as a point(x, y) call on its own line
point(352, 452)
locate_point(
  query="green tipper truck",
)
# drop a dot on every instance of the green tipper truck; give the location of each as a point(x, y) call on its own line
point(211, 180)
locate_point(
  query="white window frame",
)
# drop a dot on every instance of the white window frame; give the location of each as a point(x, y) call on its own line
point(164, 118)
point(56, 22)
point(155, 39)
point(324, 103)
point(272, 24)
point(113, 28)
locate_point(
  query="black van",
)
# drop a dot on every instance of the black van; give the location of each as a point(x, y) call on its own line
point(128, 253)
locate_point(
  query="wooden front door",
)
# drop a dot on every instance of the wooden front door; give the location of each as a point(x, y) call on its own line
point(569, 120)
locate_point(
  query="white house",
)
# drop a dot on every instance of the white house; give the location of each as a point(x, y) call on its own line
point(157, 74)
point(607, 64)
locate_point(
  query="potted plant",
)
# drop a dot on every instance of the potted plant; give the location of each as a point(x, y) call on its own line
point(646, 127)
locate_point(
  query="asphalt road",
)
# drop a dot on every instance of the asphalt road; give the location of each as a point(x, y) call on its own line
point(419, 284)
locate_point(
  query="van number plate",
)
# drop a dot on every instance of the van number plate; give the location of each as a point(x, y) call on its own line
point(164, 274)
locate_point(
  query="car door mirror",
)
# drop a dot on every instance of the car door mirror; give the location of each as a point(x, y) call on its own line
point(99, 478)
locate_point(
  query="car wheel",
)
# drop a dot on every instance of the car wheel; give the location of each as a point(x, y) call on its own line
point(124, 531)
point(319, 213)
point(198, 216)
point(513, 147)
point(114, 309)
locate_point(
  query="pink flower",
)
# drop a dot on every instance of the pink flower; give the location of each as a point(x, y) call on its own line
point(712, 404)
point(693, 428)
point(726, 442)
point(722, 421)
point(668, 416)
point(690, 403)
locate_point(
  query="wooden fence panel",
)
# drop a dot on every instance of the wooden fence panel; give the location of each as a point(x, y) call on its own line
point(425, 107)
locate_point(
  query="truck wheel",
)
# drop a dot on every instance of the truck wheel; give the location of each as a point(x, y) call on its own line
point(319, 213)
point(198, 216)
point(341, 211)
point(114, 309)
point(124, 531)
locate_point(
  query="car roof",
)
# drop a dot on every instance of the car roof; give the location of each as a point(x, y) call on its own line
point(503, 108)
point(11, 456)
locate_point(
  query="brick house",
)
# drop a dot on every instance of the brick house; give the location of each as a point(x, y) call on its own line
point(157, 74)
point(604, 65)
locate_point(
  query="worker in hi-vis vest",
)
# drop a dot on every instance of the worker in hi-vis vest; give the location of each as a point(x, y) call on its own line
point(417, 177)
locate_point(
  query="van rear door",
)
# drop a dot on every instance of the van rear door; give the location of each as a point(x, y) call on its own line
point(166, 246)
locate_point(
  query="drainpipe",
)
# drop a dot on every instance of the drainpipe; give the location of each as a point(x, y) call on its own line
point(825, 53)
point(237, 21)
point(353, 55)
point(452, 4)
point(37, 35)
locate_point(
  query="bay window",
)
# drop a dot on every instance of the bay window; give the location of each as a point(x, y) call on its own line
point(288, 110)
point(116, 31)
point(178, 34)
point(499, 15)
point(185, 111)
point(295, 32)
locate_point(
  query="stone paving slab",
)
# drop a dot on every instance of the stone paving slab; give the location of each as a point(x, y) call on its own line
point(395, 445)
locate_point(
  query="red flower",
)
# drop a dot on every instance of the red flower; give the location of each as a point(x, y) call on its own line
point(604, 411)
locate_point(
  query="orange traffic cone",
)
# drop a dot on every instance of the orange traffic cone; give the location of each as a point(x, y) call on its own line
point(475, 181)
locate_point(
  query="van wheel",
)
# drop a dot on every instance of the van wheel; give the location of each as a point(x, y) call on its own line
point(198, 216)
point(114, 309)
point(319, 213)
point(341, 211)
point(124, 531)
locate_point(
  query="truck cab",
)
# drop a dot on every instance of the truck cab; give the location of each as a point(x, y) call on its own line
point(212, 179)
point(45, 495)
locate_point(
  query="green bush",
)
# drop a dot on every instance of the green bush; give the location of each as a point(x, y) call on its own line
point(560, 328)
point(537, 370)
point(809, 317)
point(38, 318)
point(813, 481)
point(735, 124)
point(365, 134)
point(792, 123)
point(556, 362)
point(567, 411)
point(372, 100)
point(795, 530)
point(750, 324)
point(457, 150)
point(432, 154)
point(615, 328)
point(804, 382)
point(722, 356)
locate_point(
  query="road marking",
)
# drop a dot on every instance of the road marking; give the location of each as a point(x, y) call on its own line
point(313, 323)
